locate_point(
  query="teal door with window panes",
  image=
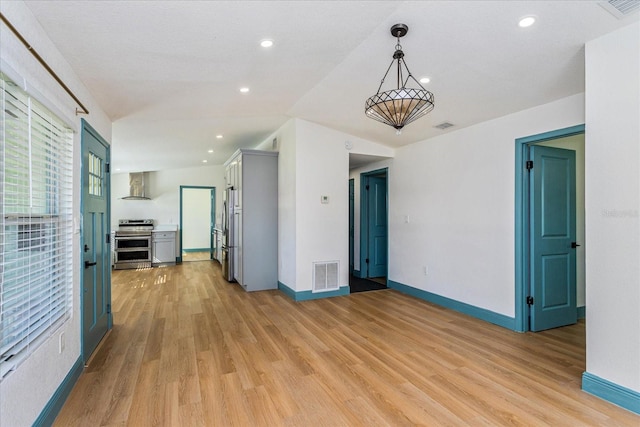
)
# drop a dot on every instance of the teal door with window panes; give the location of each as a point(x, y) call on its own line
point(95, 245)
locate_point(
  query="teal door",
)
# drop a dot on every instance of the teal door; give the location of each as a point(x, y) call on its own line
point(96, 258)
point(553, 229)
point(377, 226)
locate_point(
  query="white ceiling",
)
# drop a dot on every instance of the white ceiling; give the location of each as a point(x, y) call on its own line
point(168, 73)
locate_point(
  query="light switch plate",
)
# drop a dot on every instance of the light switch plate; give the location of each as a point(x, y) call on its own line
point(324, 199)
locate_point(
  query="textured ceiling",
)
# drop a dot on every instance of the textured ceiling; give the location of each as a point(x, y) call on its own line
point(168, 73)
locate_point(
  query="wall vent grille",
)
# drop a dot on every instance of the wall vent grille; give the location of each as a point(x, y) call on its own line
point(621, 8)
point(325, 276)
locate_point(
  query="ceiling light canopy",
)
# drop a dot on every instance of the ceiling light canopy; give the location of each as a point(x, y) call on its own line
point(401, 106)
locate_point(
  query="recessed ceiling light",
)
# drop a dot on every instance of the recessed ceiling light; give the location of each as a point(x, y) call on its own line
point(244, 89)
point(210, 151)
point(527, 21)
point(219, 136)
point(266, 43)
point(425, 80)
point(204, 161)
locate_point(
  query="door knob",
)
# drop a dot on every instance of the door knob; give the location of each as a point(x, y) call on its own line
point(88, 264)
point(574, 245)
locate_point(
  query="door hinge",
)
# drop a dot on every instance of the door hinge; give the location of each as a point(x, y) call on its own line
point(107, 238)
point(367, 187)
point(107, 168)
point(529, 164)
point(529, 300)
point(108, 308)
point(367, 260)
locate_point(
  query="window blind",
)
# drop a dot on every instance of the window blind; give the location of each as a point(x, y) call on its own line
point(36, 224)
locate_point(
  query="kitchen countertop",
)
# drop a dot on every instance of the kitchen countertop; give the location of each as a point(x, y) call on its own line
point(165, 227)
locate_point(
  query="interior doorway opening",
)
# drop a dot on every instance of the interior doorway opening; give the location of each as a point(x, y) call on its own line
point(368, 246)
point(197, 220)
point(535, 305)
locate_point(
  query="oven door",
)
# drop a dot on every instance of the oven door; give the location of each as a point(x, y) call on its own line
point(132, 242)
point(132, 255)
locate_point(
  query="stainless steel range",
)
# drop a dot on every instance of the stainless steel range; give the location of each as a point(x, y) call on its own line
point(132, 246)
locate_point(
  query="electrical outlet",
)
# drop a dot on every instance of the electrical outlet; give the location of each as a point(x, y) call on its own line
point(425, 270)
point(406, 219)
point(61, 343)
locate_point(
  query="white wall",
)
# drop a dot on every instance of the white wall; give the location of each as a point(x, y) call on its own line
point(286, 136)
point(163, 187)
point(322, 169)
point(322, 229)
point(458, 190)
point(613, 206)
point(25, 392)
point(576, 143)
point(196, 218)
point(314, 162)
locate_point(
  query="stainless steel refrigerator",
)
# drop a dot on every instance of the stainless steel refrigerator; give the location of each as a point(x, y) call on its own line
point(229, 235)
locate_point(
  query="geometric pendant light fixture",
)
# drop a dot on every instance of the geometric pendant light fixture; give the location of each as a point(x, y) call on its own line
point(402, 105)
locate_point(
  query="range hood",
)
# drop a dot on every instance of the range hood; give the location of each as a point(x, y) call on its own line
point(136, 187)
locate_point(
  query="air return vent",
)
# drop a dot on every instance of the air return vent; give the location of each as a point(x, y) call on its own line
point(325, 276)
point(621, 8)
point(444, 125)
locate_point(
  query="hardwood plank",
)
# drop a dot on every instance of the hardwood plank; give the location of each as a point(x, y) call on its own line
point(188, 348)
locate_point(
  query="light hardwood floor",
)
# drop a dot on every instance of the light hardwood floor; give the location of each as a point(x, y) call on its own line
point(196, 256)
point(189, 349)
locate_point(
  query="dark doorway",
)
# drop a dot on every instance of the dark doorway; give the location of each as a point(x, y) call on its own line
point(373, 233)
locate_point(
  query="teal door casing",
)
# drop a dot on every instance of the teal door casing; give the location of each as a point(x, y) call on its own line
point(373, 224)
point(552, 236)
point(351, 223)
point(212, 213)
point(95, 245)
point(213, 223)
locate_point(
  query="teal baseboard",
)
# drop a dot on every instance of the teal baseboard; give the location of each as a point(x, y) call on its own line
point(582, 312)
point(197, 250)
point(51, 410)
point(611, 392)
point(309, 295)
point(477, 312)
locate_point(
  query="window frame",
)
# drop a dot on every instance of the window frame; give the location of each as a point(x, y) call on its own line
point(36, 224)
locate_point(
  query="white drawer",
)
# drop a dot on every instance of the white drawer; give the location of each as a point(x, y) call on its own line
point(164, 235)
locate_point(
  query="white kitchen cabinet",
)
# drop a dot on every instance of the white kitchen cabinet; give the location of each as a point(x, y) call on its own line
point(231, 173)
point(238, 185)
point(256, 215)
point(163, 247)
